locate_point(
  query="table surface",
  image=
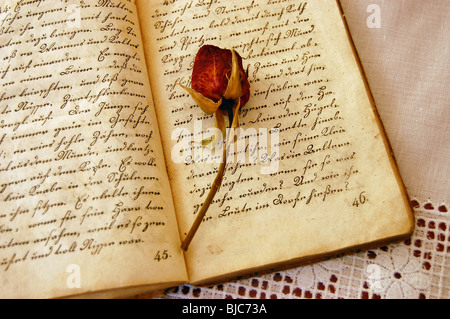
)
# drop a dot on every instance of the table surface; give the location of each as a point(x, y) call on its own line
point(404, 49)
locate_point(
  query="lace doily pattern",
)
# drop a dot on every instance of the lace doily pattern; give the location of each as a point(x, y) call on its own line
point(418, 268)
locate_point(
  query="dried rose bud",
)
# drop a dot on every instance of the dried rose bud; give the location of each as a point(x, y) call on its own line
point(219, 83)
point(220, 87)
point(212, 70)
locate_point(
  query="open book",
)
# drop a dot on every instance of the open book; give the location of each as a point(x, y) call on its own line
point(102, 172)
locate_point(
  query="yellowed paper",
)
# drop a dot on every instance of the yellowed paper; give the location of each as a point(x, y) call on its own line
point(85, 202)
point(317, 178)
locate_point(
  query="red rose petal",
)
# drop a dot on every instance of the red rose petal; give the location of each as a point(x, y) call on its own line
point(212, 68)
point(209, 76)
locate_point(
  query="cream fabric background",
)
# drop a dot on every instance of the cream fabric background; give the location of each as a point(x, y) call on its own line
point(407, 63)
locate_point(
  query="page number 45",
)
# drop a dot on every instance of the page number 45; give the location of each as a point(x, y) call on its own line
point(161, 255)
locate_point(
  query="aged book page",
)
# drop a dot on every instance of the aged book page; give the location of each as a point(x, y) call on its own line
point(85, 202)
point(317, 176)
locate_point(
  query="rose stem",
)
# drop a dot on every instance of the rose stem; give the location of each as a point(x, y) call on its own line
point(212, 192)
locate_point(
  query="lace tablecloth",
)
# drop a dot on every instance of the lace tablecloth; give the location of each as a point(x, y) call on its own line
point(404, 48)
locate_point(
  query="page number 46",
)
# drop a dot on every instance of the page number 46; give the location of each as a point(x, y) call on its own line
point(360, 200)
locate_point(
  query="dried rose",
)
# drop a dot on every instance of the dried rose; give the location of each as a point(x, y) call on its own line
point(220, 87)
point(219, 84)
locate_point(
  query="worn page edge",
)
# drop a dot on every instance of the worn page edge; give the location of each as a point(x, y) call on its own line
point(298, 262)
point(382, 129)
